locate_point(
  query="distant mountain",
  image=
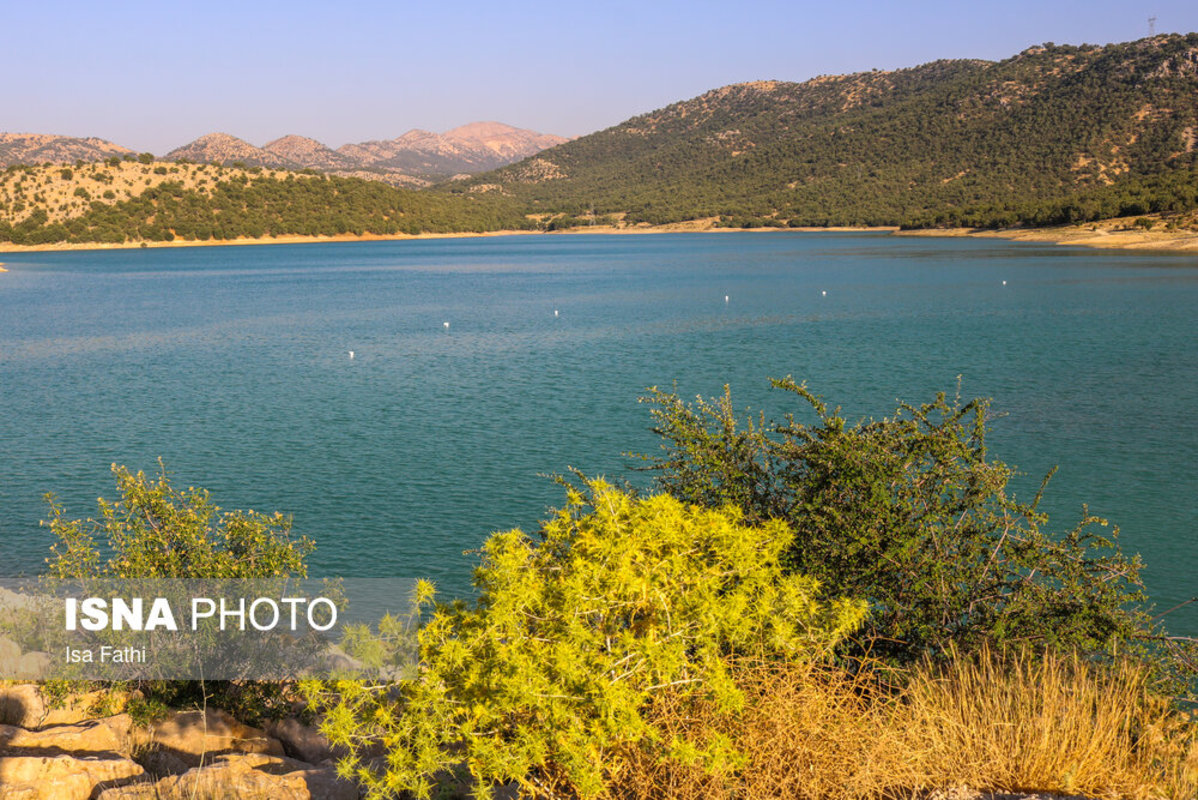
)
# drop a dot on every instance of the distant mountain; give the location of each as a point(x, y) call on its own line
point(471, 148)
point(1055, 133)
point(309, 153)
point(417, 157)
point(506, 142)
point(221, 148)
point(39, 148)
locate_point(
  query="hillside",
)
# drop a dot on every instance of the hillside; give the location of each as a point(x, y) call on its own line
point(1053, 134)
point(124, 200)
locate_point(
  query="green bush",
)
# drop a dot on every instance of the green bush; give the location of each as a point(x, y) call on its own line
point(910, 513)
point(157, 531)
point(574, 632)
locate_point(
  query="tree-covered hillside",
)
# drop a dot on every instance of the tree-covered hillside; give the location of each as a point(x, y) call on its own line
point(122, 200)
point(946, 143)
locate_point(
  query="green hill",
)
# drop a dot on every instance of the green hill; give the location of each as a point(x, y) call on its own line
point(124, 200)
point(1055, 133)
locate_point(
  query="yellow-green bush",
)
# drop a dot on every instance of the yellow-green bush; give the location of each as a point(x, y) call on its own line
point(553, 669)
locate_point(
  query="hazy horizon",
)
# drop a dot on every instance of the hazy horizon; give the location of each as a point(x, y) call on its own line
point(153, 78)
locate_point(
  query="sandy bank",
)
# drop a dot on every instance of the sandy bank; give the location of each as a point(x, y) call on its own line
point(1119, 234)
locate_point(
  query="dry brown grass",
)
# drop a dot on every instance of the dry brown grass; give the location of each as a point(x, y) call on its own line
point(807, 731)
point(1053, 724)
point(991, 723)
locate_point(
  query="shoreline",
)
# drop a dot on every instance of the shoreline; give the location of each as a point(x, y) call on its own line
point(1116, 234)
point(1111, 234)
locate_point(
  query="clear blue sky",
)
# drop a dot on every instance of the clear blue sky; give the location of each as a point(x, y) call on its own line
point(155, 75)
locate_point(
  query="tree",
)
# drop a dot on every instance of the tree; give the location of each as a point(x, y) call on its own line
point(574, 632)
point(909, 513)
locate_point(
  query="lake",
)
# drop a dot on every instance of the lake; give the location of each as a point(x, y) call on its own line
point(232, 364)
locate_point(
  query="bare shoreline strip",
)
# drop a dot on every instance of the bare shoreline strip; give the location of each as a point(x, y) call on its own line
point(1110, 234)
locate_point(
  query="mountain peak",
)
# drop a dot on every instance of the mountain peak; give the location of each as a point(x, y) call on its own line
point(307, 152)
point(222, 147)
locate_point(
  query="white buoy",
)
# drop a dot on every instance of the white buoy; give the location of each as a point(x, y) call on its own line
point(824, 293)
point(725, 298)
point(446, 325)
point(555, 312)
point(1004, 283)
point(351, 355)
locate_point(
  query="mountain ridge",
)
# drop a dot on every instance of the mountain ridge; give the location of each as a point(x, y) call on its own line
point(416, 157)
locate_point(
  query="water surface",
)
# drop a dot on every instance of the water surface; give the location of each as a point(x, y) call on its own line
point(232, 364)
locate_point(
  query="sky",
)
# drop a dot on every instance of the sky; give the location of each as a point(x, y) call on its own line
point(155, 75)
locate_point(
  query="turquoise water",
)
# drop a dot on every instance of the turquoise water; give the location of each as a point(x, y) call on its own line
point(232, 364)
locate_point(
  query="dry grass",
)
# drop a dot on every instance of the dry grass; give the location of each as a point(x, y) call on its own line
point(992, 723)
point(1054, 724)
point(807, 731)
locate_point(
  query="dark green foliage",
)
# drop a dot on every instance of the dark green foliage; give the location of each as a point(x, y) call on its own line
point(944, 144)
point(909, 513)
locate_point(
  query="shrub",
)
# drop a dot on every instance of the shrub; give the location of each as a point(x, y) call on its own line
point(574, 632)
point(909, 513)
point(157, 531)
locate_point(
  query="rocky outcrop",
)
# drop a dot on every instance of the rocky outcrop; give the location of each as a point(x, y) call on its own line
point(247, 777)
point(194, 737)
point(62, 776)
point(301, 741)
point(66, 762)
point(49, 753)
point(107, 735)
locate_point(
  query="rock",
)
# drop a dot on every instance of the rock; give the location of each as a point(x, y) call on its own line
point(193, 736)
point(160, 763)
point(252, 776)
point(110, 735)
point(24, 705)
point(61, 777)
point(133, 791)
point(301, 741)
